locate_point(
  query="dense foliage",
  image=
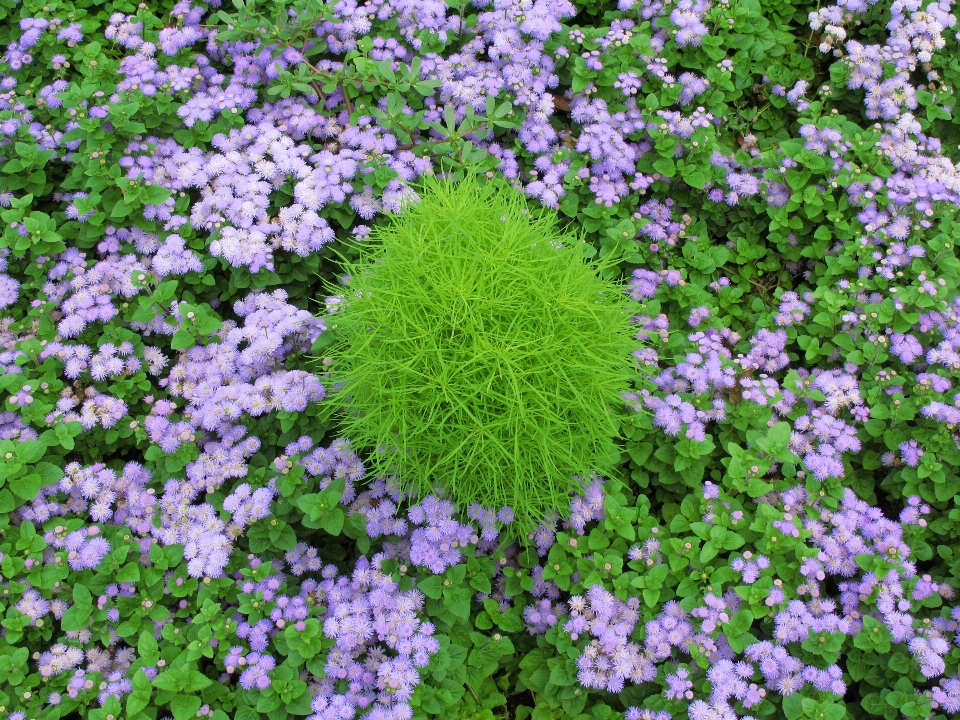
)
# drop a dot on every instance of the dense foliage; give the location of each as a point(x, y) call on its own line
point(478, 355)
point(185, 528)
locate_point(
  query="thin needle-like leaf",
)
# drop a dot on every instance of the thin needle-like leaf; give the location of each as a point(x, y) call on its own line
point(479, 349)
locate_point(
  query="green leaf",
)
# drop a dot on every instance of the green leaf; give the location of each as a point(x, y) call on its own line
point(333, 522)
point(155, 195)
point(184, 707)
point(30, 451)
point(64, 436)
point(315, 505)
point(302, 705)
point(694, 178)
point(307, 643)
point(129, 573)
point(793, 706)
point(26, 487)
point(165, 291)
point(431, 586)
point(168, 679)
point(457, 601)
point(843, 340)
point(208, 323)
point(147, 646)
point(874, 636)
point(779, 434)
point(282, 535)
point(197, 681)
point(480, 583)
point(184, 679)
point(49, 473)
point(182, 339)
point(666, 167)
point(139, 696)
point(82, 596)
point(874, 704)
point(880, 412)
point(740, 623)
point(483, 621)
point(121, 209)
point(559, 675)
point(245, 712)
point(75, 618)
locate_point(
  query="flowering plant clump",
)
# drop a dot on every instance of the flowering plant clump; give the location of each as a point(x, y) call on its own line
point(764, 525)
point(479, 354)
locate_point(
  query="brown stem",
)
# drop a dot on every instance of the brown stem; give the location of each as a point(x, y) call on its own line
point(346, 98)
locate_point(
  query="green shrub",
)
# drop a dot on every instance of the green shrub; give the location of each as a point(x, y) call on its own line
point(480, 353)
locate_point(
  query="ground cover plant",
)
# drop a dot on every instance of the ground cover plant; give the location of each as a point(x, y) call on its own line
point(197, 518)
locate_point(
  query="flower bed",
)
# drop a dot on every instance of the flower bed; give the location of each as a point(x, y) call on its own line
point(660, 419)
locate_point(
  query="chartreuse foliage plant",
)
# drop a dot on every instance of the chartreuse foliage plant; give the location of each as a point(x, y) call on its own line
point(479, 353)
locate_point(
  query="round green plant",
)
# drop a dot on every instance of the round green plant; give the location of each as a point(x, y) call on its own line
point(478, 352)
